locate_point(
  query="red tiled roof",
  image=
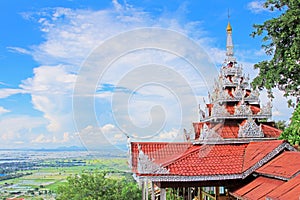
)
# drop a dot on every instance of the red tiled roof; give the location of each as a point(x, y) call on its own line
point(285, 165)
point(254, 108)
point(159, 152)
point(258, 188)
point(287, 191)
point(255, 151)
point(185, 159)
point(270, 131)
point(230, 130)
point(209, 160)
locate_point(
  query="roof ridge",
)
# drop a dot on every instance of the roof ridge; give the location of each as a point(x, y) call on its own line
point(243, 165)
point(269, 156)
point(262, 124)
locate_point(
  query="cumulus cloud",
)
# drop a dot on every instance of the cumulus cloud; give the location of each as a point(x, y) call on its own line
point(51, 89)
point(70, 37)
point(257, 7)
point(104, 136)
point(52, 139)
point(19, 128)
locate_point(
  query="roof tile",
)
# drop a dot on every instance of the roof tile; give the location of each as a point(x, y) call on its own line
point(256, 151)
point(285, 165)
point(289, 190)
point(258, 188)
point(186, 159)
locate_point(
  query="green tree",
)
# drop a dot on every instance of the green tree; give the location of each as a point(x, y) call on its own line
point(96, 185)
point(281, 124)
point(292, 133)
point(281, 40)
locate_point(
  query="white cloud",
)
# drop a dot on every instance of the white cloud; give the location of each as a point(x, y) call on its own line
point(6, 92)
point(97, 137)
point(172, 134)
point(70, 36)
point(3, 110)
point(19, 50)
point(48, 139)
point(41, 139)
point(257, 7)
point(19, 128)
point(51, 89)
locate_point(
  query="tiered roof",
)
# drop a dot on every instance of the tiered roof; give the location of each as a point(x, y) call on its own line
point(230, 142)
point(234, 110)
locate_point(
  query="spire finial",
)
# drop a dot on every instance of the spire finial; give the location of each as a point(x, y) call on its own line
point(228, 14)
point(228, 26)
point(229, 43)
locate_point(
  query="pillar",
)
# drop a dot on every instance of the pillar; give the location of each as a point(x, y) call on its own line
point(163, 194)
point(143, 190)
point(189, 194)
point(152, 191)
point(146, 188)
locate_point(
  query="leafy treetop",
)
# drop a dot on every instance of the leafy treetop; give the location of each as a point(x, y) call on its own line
point(292, 133)
point(281, 39)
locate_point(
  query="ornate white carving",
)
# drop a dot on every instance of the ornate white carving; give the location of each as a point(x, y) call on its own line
point(250, 129)
point(129, 153)
point(238, 93)
point(223, 94)
point(225, 81)
point(254, 96)
point(231, 70)
point(147, 166)
point(243, 110)
point(266, 109)
point(207, 133)
point(219, 111)
point(245, 82)
point(236, 79)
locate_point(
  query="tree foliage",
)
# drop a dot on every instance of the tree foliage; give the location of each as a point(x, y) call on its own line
point(281, 124)
point(292, 133)
point(96, 185)
point(281, 40)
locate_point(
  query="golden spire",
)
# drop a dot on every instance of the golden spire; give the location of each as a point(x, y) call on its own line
point(229, 43)
point(229, 29)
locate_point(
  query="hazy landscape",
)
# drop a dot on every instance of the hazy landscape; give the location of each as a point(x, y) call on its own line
point(36, 174)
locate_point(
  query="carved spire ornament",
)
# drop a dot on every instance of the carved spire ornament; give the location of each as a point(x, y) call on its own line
point(250, 130)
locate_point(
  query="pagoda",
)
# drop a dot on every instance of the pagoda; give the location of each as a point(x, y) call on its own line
point(234, 110)
point(233, 145)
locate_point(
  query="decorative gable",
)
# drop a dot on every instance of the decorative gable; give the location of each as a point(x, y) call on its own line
point(242, 110)
point(148, 166)
point(219, 111)
point(250, 130)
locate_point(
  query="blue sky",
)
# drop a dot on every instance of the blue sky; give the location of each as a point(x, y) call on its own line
point(43, 45)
